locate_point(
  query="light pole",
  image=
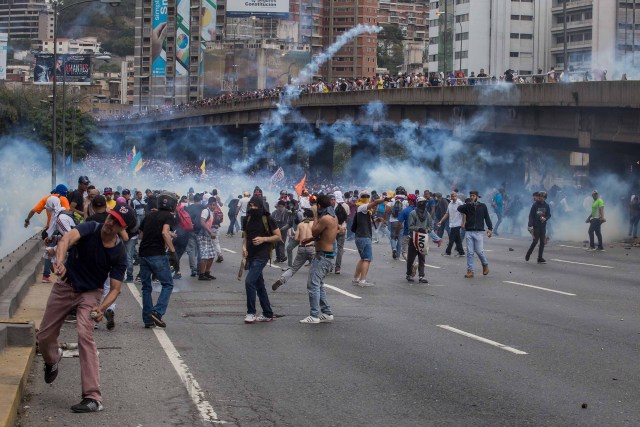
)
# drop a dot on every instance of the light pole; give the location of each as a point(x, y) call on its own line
point(57, 10)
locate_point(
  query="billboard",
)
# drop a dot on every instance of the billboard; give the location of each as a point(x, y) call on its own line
point(182, 38)
point(4, 37)
point(77, 69)
point(259, 8)
point(159, 38)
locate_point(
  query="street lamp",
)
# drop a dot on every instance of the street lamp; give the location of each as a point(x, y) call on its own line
point(59, 8)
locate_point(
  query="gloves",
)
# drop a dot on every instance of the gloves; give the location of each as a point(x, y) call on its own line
point(173, 261)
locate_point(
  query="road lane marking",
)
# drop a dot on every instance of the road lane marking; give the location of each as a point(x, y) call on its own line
point(574, 247)
point(431, 266)
point(499, 238)
point(193, 388)
point(481, 339)
point(581, 263)
point(229, 250)
point(538, 287)
point(342, 292)
point(349, 249)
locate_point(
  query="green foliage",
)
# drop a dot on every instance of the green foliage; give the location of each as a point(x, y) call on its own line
point(390, 55)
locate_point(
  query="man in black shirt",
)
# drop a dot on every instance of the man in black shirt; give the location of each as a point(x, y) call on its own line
point(476, 215)
point(538, 216)
point(260, 231)
point(95, 253)
point(155, 232)
point(99, 205)
point(76, 197)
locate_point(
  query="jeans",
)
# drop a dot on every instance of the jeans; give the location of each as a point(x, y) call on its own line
point(130, 247)
point(633, 226)
point(305, 253)
point(232, 225)
point(180, 244)
point(290, 247)
point(499, 221)
point(320, 266)
point(340, 238)
point(47, 262)
point(254, 284)
point(454, 237)
point(539, 234)
point(158, 266)
point(192, 251)
point(594, 227)
point(475, 244)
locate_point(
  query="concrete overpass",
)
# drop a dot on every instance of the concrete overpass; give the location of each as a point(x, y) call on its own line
point(586, 112)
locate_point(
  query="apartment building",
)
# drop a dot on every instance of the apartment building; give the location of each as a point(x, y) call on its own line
point(71, 46)
point(26, 19)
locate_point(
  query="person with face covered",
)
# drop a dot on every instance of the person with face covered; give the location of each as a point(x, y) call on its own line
point(476, 215)
point(419, 221)
point(538, 216)
point(260, 231)
point(363, 224)
point(324, 231)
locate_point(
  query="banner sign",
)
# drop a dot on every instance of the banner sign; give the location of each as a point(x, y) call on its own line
point(259, 8)
point(77, 69)
point(4, 38)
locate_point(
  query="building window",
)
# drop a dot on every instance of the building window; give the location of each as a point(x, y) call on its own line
point(526, 36)
point(514, 54)
point(462, 55)
point(526, 18)
point(515, 35)
point(515, 17)
point(462, 18)
point(462, 36)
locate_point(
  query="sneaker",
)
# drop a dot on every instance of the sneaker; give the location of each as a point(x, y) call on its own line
point(264, 319)
point(110, 316)
point(446, 254)
point(485, 269)
point(87, 405)
point(325, 318)
point(149, 325)
point(414, 270)
point(177, 275)
point(203, 277)
point(439, 242)
point(365, 284)
point(404, 256)
point(276, 284)
point(355, 282)
point(460, 255)
point(600, 249)
point(469, 275)
point(395, 254)
point(250, 318)
point(71, 318)
point(209, 276)
point(527, 257)
point(138, 280)
point(157, 319)
point(310, 319)
point(46, 279)
point(129, 279)
point(591, 248)
point(51, 371)
point(422, 280)
point(541, 261)
point(194, 273)
point(337, 270)
point(410, 279)
point(220, 258)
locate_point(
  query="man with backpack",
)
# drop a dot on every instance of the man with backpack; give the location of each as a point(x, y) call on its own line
point(233, 215)
point(194, 210)
point(184, 229)
point(206, 237)
point(342, 211)
point(260, 233)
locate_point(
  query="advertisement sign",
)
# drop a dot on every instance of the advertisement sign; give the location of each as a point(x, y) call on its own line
point(260, 8)
point(4, 37)
point(182, 38)
point(207, 26)
point(158, 38)
point(77, 69)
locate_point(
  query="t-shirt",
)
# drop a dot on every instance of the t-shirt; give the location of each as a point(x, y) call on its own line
point(597, 204)
point(89, 263)
point(455, 217)
point(207, 215)
point(99, 217)
point(242, 206)
point(38, 208)
point(111, 204)
point(404, 218)
point(77, 196)
point(152, 243)
point(255, 228)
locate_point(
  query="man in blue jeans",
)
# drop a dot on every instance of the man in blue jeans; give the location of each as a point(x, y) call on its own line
point(260, 231)
point(155, 232)
point(476, 215)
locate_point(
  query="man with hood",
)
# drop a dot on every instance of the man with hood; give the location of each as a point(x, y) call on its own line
point(538, 216)
point(476, 215)
point(260, 232)
point(419, 221)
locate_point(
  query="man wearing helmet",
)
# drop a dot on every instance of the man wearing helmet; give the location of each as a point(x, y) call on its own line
point(155, 232)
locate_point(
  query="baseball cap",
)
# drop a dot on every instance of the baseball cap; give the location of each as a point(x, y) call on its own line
point(421, 199)
point(107, 191)
point(124, 215)
point(60, 189)
point(475, 192)
point(84, 180)
point(126, 191)
point(99, 201)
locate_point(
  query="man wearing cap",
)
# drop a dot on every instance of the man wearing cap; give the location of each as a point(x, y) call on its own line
point(595, 221)
point(95, 253)
point(476, 215)
point(108, 194)
point(363, 234)
point(61, 192)
point(76, 197)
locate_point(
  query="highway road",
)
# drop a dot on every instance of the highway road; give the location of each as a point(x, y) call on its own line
point(555, 344)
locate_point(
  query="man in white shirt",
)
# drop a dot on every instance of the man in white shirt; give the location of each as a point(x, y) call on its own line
point(242, 208)
point(455, 224)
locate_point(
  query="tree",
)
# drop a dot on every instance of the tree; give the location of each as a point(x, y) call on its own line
point(390, 49)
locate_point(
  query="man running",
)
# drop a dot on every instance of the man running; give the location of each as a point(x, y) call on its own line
point(476, 215)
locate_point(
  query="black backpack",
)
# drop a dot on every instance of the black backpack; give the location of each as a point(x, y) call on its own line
point(194, 212)
point(341, 213)
point(397, 208)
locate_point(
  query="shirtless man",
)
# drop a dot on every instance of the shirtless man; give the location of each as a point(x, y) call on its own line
point(324, 231)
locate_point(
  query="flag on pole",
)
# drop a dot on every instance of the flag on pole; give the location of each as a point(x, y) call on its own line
point(278, 176)
point(203, 167)
point(136, 163)
point(301, 184)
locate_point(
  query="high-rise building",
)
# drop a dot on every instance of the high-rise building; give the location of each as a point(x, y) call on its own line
point(600, 35)
point(26, 19)
point(494, 35)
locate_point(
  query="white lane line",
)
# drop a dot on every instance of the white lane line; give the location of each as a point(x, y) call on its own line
point(193, 388)
point(349, 249)
point(484, 340)
point(574, 247)
point(431, 266)
point(538, 287)
point(581, 263)
point(229, 250)
point(500, 238)
point(342, 292)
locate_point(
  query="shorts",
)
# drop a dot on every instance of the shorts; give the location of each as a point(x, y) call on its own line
point(364, 248)
point(205, 246)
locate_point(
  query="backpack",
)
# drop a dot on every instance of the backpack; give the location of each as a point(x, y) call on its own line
point(397, 208)
point(194, 213)
point(184, 219)
point(218, 217)
point(341, 213)
point(233, 207)
point(76, 219)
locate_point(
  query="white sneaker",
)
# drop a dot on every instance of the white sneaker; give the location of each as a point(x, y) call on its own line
point(250, 318)
point(355, 282)
point(364, 284)
point(310, 319)
point(325, 318)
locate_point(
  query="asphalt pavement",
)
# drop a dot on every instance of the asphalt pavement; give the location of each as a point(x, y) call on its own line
point(528, 344)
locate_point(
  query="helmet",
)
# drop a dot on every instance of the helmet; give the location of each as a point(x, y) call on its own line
point(167, 201)
point(400, 190)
